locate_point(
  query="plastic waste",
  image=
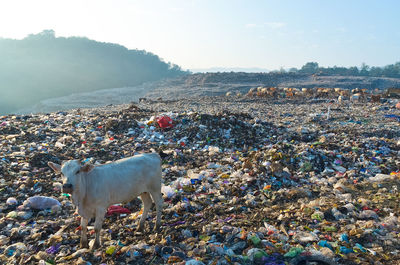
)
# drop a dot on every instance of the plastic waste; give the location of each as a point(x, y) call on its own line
point(110, 250)
point(256, 254)
point(325, 244)
point(4, 240)
point(344, 237)
point(393, 116)
point(254, 239)
point(380, 178)
point(337, 214)
point(168, 191)
point(346, 250)
point(293, 252)
point(117, 209)
point(306, 180)
point(11, 201)
point(15, 249)
point(318, 216)
point(41, 202)
point(368, 214)
point(193, 262)
point(304, 237)
point(165, 122)
point(310, 258)
point(12, 214)
point(360, 247)
point(187, 233)
point(53, 249)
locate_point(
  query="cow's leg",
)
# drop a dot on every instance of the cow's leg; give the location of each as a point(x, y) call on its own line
point(97, 226)
point(146, 199)
point(158, 200)
point(84, 241)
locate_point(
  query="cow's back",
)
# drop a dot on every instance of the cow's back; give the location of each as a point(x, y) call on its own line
point(125, 179)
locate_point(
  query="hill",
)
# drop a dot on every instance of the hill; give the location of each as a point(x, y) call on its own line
point(43, 66)
point(214, 84)
point(206, 84)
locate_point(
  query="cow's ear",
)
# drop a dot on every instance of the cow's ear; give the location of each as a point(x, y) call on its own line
point(55, 167)
point(86, 168)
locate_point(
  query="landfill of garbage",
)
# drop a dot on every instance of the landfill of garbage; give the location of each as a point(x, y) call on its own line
point(245, 181)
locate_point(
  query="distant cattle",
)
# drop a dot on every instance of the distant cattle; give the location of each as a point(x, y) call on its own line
point(376, 98)
point(392, 92)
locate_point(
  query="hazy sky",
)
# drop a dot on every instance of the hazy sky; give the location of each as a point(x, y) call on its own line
point(227, 33)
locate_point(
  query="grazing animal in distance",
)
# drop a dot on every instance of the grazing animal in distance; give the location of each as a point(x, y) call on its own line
point(376, 98)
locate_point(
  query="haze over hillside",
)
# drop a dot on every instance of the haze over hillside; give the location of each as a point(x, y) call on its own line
point(43, 66)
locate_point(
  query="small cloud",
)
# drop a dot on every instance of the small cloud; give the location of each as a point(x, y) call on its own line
point(341, 29)
point(275, 25)
point(251, 25)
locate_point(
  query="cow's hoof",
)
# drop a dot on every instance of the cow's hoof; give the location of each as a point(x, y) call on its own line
point(94, 245)
point(84, 245)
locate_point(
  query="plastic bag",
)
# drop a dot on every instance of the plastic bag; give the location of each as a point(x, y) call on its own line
point(41, 202)
point(116, 209)
point(168, 191)
point(165, 122)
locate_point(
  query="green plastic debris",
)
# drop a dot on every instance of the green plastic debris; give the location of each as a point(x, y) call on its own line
point(12, 214)
point(330, 229)
point(307, 167)
point(317, 216)
point(110, 250)
point(204, 238)
point(260, 254)
point(307, 210)
point(51, 262)
point(255, 240)
point(46, 262)
point(256, 254)
point(293, 252)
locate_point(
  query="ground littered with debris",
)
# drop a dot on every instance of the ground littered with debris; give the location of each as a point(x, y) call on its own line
point(245, 181)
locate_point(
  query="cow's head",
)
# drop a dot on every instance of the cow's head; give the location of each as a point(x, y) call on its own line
point(71, 171)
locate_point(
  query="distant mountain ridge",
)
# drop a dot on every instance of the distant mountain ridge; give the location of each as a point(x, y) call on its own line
point(43, 66)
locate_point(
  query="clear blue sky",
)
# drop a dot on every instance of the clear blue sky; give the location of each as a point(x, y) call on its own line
point(223, 33)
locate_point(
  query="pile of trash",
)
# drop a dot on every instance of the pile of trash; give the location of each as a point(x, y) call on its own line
point(238, 189)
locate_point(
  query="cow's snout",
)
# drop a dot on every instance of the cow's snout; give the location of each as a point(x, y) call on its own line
point(67, 188)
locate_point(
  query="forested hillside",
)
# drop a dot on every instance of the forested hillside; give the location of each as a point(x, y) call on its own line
point(43, 66)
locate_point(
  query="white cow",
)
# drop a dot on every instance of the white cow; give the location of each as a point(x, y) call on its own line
point(95, 188)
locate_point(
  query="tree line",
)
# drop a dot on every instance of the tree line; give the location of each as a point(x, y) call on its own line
point(391, 70)
point(42, 66)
